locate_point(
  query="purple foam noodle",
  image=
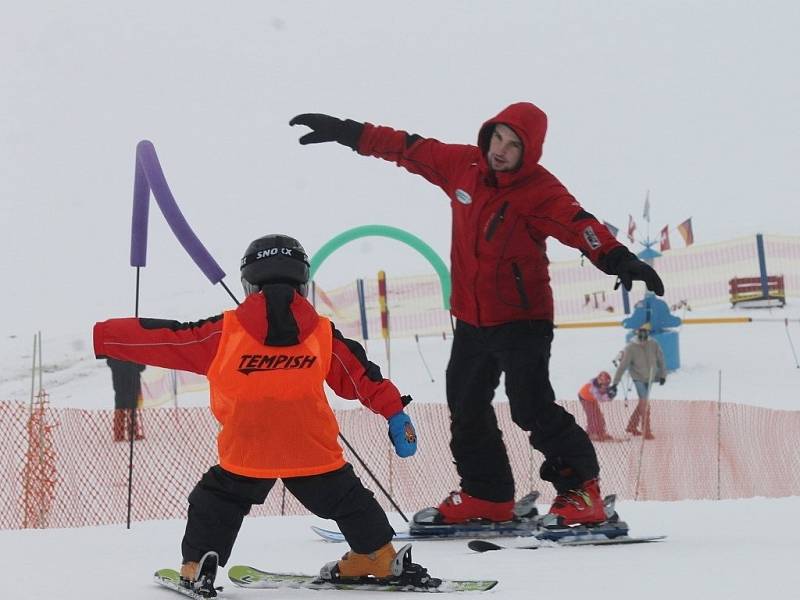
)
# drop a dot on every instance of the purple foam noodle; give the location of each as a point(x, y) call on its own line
point(149, 176)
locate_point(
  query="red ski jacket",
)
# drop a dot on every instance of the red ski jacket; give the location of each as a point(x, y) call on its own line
point(266, 362)
point(499, 265)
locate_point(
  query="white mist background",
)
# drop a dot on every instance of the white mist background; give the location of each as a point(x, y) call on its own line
point(695, 103)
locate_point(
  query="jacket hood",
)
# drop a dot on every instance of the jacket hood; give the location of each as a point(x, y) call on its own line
point(277, 316)
point(529, 122)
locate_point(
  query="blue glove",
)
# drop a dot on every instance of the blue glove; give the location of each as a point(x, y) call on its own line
point(402, 434)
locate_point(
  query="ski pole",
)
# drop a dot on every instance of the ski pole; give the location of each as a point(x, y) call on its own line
point(419, 349)
point(645, 428)
point(375, 479)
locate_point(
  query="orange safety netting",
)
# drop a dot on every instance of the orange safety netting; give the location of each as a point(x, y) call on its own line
point(61, 467)
point(697, 276)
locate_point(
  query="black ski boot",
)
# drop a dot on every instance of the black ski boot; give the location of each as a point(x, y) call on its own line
point(202, 580)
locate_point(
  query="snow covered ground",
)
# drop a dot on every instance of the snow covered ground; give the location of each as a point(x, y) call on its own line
point(726, 550)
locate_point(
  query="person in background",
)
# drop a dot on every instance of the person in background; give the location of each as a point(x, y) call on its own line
point(504, 207)
point(591, 394)
point(126, 377)
point(644, 359)
point(266, 363)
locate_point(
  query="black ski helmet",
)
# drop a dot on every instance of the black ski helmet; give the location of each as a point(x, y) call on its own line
point(274, 258)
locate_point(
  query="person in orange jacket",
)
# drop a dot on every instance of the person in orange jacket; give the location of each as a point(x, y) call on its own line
point(591, 394)
point(266, 362)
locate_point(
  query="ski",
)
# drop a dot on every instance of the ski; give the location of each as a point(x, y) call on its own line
point(484, 546)
point(250, 577)
point(203, 586)
point(509, 529)
point(426, 525)
point(171, 579)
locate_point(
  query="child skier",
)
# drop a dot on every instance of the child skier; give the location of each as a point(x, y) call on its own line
point(266, 362)
point(591, 395)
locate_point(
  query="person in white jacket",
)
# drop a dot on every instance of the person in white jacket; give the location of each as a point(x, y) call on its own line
point(644, 359)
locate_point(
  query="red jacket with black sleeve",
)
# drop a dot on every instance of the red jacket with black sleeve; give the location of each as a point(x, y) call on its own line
point(499, 265)
point(274, 317)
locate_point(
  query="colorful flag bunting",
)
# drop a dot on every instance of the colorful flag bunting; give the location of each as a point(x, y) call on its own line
point(631, 228)
point(611, 228)
point(646, 213)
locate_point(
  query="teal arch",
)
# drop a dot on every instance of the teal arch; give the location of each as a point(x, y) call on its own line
point(396, 234)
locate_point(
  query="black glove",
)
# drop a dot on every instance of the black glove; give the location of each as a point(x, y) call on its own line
point(329, 129)
point(611, 392)
point(624, 264)
point(662, 381)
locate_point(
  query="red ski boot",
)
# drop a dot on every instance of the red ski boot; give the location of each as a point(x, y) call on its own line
point(459, 507)
point(583, 506)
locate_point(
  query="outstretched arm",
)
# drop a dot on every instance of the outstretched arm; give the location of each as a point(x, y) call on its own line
point(562, 217)
point(430, 158)
point(160, 342)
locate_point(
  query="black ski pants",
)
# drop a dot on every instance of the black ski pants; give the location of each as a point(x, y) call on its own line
point(521, 350)
point(221, 499)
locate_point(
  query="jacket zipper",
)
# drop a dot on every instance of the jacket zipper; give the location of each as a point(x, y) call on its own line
point(498, 218)
point(520, 286)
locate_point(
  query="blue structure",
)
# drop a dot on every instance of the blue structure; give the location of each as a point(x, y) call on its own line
point(655, 311)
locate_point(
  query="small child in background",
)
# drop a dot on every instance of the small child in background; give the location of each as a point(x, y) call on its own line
point(591, 395)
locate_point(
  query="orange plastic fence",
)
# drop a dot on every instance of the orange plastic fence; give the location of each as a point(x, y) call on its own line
point(702, 449)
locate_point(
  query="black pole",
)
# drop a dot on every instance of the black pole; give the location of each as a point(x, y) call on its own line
point(375, 479)
point(132, 422)
point(222, 283)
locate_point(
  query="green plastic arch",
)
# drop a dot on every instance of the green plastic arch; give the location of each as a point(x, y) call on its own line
point(396, 234)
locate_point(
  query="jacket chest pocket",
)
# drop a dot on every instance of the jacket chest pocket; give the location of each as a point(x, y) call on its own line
point(495, 220)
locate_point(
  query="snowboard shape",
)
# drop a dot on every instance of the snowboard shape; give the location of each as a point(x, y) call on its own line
point(250, 577)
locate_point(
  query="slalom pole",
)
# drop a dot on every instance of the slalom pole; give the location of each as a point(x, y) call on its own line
point(371, 474)
point(797, 364)
point(132, 423)
point(383, 301)
point(719, 436)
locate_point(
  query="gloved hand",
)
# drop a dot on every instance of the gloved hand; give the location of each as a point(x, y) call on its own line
point(611, 392)
point(624, 264)
point(662, 381)
point(329, 129)
point(402, 434)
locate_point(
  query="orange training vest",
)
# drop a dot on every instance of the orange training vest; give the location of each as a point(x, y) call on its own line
point(276, 421)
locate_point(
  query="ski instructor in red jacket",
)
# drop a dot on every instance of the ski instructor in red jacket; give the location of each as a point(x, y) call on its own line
point(505, 205)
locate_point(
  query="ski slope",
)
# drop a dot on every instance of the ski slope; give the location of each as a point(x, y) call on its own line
point(719, 550)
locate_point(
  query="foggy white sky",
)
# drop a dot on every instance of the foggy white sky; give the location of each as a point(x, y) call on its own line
point(696, 102)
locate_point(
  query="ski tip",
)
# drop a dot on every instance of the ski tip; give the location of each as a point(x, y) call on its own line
point(483, 546)
point(327, 535)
